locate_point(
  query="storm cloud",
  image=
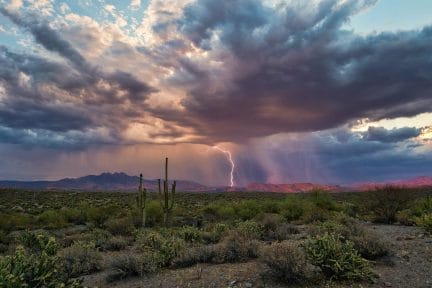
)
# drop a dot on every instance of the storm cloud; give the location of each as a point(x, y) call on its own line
point(292, 68)
point(279, 82)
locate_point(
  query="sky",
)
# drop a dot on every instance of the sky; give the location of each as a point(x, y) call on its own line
point(331, 91)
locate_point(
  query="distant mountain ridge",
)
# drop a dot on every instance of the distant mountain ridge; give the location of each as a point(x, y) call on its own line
point(420, 181)
point(120, 181)
point(292, 187)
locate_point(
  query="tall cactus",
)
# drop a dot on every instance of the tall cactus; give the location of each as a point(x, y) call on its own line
point(141, 202)
point(166, 200)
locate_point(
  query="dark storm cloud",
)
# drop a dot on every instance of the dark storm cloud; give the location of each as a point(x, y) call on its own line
point(293, 68)
point(338, 156)
point(26, 107)
point(71, 140)
point(394, 135)
point(381, 161)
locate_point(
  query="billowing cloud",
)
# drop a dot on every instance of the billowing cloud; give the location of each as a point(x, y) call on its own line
point(293, 68)
point(259, 76)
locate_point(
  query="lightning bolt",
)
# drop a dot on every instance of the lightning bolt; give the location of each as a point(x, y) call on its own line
point(230, 159)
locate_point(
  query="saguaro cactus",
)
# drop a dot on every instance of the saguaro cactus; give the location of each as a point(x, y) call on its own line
point(141, 202)
point(166, 198)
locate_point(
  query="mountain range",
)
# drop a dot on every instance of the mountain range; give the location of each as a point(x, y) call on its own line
point(124, 182)
point(103, 182)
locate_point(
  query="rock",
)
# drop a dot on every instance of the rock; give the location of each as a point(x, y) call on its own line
point(387, 284)
point(248, 285)
point(232, 283)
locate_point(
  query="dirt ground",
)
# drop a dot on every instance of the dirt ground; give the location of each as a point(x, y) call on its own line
point(409, 265)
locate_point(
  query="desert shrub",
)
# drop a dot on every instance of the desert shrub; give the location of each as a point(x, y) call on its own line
point(154, 213)
point(293, 208)
point(209, 213)
point(96, 236)
point(81, 258)
point(274, 227)
point(323, 200)
point(165, 243)
point(369, 245)
point(103, 240)
point(72, 215)
point(215, 233)
point(421, 206)
point(287, 261)
point(247, 209)
point(365, 242)
point(337, 258)
point(249, 229)
point(190, 234)
point(270, 206)
point(36, 267)
point(425, 222)
point(387, 202)
point(15, 221)
point(193, 255)
point(234, 247)
point(219, 212)
point(315, 215)
point(405, 217)
point(225, 212)
point(269, 222)
point(120, 226)
point(130, 265)
point(51, 219)
point(95, 215)
point(116, 243)
point(350, 209)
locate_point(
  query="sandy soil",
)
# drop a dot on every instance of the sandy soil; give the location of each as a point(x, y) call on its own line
point(409, 265)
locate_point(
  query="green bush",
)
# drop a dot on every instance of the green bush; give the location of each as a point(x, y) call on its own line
point(81, 258)
point(386, 202)
point(95, 215)
point(120, 226)
point(337, 258)
point(234, 247)
point(165, 243)
point(247, 209)
point(292, 208)
point(190, 234)
point(249, 230)
point(116, 243)
point(425, 222)
point(226, 212)
point(365, 242)
point(274, 227)
point(51, 219)
point(323, 200)
point(154, 213)
point(72, 215)
point(15, 221)
point(36, 267)
point(215, 233)
point(421, 206)
point(315, 215)
point(287, 262)
point(130, 265)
